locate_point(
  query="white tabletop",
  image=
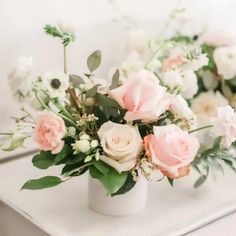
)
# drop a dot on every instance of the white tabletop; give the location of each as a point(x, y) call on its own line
point(63, 211)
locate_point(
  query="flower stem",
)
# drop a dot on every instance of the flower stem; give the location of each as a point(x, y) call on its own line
point(65, 59)
point(6, 134)
point(204, 127)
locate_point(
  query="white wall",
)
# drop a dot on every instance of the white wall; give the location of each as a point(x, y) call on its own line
point(21, 23)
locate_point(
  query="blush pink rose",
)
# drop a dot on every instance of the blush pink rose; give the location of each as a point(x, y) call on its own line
point(143, 97)
point(171, 63)
point(49, 131)
point(171, 150)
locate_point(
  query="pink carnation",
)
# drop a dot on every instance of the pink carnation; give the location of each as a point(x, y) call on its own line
point(49, 131)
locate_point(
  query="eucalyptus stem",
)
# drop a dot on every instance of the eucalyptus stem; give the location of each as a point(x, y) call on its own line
point(65, 59)
point(9, 134)
point(204, 127)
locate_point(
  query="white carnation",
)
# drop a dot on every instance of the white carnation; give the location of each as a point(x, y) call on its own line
point(225, 59)
point(190, 84)
point(225, 125)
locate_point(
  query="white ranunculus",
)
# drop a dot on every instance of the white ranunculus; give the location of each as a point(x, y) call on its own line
point(207, 103)
point(172, 79)
point(182, 110)
point(66, 26)
point(121, 145)
point(225, 59)
point(219, 38)
point(197, 62)
point(20, 80)
point(55, 84)
point(225, 125)
point(190, 84)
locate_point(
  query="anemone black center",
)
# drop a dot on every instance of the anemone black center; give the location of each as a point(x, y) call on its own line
point(55, 83)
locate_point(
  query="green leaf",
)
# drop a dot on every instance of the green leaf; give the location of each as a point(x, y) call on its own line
point(217, 143)
point(199, 181)
point(66, 151)
point(42, 183)
point(102, 167)
point(43, 160)
point(112, 182)
point(74, 169)
point(106, 101)
point(94, 60)
point(15, 143)
point(76, 80)
point(128, 185)
point(91, 92)
point(115, 80)
point(171, 181)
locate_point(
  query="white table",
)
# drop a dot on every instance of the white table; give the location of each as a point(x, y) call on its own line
point(62, 211)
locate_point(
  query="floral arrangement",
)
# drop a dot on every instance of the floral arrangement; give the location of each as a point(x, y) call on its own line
point(139, 123)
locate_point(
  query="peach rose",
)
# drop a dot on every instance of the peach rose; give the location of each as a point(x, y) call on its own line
point(49, 131)
point(142, 96)
point(171, 150)
point(172, 63)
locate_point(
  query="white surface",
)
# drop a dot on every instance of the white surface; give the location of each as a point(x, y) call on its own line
point(122, 205)
point(63, 211)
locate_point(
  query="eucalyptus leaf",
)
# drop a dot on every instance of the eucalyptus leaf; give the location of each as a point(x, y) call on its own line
point(94, 60)
point(106, 101)
point(199, 181)
point(115, 79)
point(76, 80)
point(91, 92)
point(42, 183)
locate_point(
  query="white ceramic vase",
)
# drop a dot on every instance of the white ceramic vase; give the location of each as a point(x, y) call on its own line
point(121, 205)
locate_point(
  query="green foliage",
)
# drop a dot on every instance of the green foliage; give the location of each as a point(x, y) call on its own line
point(170, 181)
point(211, 159)
point(115, 80)
point(56, 33)
point(76, 80)
point(179, 38)
point(43, 160)
point(128, 185)
point(63, 154)
point(209, 51)
point(94, 60)
point(91, 92)
point(42, 183)
point(111, 180)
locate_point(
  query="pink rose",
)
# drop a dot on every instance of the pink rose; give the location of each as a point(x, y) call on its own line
point(171, 150)
point(142, 96)
point(49, 131)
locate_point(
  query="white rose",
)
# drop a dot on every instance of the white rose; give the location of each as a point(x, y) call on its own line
point(225, 125)
point(207, 103)
point(225, 59)
point(190, 84)
point(121, 145)
point(66, 26)
point(55, 84)
point(20, 80)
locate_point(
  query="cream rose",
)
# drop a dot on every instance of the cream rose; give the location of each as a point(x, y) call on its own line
point(121, 145)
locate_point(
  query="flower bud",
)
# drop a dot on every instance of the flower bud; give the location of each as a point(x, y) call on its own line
point(84, 137)
point(82, 146)
point(94, 143)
